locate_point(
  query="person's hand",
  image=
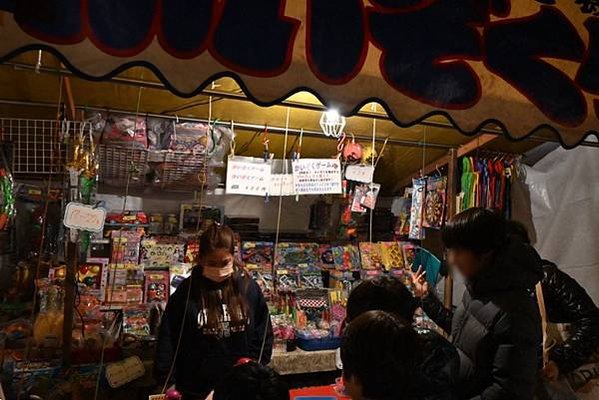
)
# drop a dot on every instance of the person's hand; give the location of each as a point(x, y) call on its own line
point(419, 283)
point(551, 371)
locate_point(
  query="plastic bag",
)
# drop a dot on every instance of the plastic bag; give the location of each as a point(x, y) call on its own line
point(125, 130)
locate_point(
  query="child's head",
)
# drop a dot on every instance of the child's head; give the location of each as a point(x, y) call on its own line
point(381, 293)
point(251, 380)
point(380, 356)
point(217, 249)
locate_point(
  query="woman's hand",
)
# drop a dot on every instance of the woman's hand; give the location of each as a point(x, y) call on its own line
point(419, 283)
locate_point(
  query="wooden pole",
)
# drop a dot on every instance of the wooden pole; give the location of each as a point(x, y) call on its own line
point(69, 303)
point(452, 188)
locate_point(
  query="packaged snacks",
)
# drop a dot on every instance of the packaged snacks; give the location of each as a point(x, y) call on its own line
point(125, 130)
point(257, 255)
point(300, 255)
point(434, 203)
point(178, 273)
point(188, 137)
point(125, 246)
point(409, 253)
point(371, 255)
point(135, 320)
point(416, 212)
point(155, 255)
point(287, 279)
point(156, 286)
point(392, 255)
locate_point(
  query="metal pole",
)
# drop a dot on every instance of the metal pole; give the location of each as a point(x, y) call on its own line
point(452, 186)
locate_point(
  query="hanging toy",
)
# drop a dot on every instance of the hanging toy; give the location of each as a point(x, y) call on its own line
point(369, 154)
point(352, 151)
point(7, 203)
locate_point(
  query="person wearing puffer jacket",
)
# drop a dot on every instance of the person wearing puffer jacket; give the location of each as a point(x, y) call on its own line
point(496, 328)
point(566, 302)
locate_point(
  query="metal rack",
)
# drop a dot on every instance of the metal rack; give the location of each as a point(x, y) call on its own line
point(37, 153)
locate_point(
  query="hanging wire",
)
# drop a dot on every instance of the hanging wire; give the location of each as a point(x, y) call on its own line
point(373, 165)
point(203, 178)
point(43, 232)
point(131, 170)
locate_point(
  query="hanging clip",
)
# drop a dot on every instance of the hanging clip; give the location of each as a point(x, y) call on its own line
point(265, 141)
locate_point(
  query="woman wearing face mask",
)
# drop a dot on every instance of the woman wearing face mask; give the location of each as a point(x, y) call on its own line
point(217, 316)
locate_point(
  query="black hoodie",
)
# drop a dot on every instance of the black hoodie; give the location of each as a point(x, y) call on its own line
point(204, 359)
point(497, 328)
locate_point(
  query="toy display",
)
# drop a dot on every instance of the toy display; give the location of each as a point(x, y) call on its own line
point(257, 255)
point(392, 255)
point(434, 203)
point(416, 212)
point(135, 321)
point(156, 255)
point(156, 286)
point(92, 278)
point(371, 255)
point(125, 246)
point(301, 255)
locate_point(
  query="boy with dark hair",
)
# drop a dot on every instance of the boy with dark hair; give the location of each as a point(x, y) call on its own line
point(566, 302)
point(438, 368)
point(496, 328)
point(380, 355)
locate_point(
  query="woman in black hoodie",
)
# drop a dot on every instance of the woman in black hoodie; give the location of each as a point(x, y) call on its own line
point(496, 328)
point(217, 316)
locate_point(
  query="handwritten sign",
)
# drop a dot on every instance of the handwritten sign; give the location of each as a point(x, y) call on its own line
point(281, 185)
point(249, 176)
point(84, 217)
point(359, 173)
point(317, 176)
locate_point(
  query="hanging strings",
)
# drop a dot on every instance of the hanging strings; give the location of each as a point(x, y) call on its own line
point(202, 180)
point(373, 163)
point(133, 169)
point(44, 223)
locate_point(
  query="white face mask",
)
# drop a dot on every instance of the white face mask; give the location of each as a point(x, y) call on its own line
point(218, 274)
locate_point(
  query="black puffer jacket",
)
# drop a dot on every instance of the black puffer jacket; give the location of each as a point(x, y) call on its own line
point(497, 328)
point(567, 302)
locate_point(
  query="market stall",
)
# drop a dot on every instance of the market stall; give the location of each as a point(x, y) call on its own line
point(348, 170)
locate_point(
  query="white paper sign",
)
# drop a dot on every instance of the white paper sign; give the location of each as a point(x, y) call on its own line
point(250, 176)
point(317, 176)
point(359, 173)
point(281, 185)
point(84, 217)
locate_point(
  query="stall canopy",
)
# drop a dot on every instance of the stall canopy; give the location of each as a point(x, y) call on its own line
point(524, 66)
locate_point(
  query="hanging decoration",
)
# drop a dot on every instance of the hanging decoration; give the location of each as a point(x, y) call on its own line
point(332, 123)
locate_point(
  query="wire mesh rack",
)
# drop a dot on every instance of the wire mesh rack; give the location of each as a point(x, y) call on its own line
point(37, 151)
point(36, 148)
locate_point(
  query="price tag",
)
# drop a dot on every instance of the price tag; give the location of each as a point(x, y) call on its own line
point(84, 217)
point(359, 173)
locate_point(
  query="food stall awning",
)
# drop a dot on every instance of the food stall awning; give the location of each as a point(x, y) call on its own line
point(524, 66)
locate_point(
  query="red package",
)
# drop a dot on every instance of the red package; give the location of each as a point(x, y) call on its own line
point(157, 286)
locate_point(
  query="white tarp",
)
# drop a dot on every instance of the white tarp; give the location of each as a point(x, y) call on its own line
point(564, 197)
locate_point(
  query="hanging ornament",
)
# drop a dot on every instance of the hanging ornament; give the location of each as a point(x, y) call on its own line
point(369, 154)
point(332, 123)
point(352, 151)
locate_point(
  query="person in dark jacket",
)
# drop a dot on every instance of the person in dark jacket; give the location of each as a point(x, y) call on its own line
point(566, 302)
point(216, 317)
point(439, 364)
point(496, 327)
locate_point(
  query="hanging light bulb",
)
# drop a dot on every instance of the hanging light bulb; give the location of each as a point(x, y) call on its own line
point(332, 123)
